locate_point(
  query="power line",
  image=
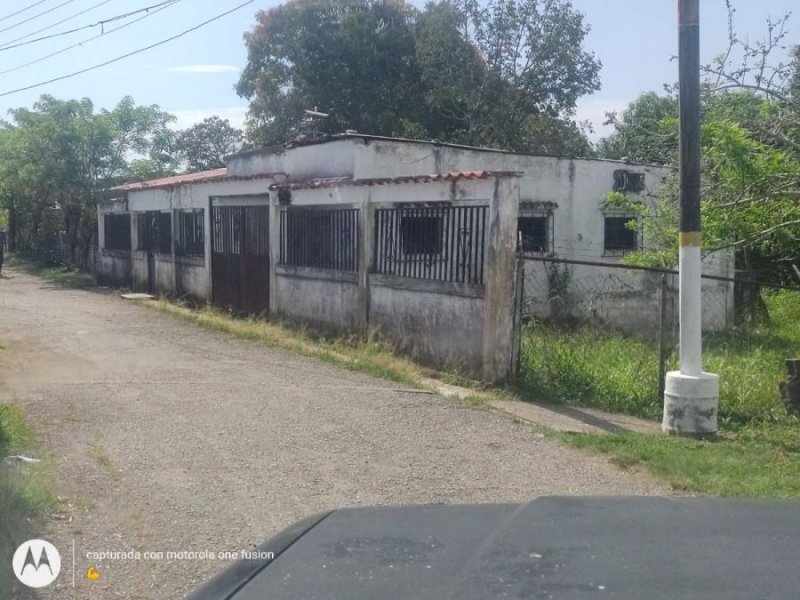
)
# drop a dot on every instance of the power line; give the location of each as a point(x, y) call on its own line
point(22, 10)
point(165, 6)
point(100, 23)
point(37, 16)
point(56, 24)
point(129, 54)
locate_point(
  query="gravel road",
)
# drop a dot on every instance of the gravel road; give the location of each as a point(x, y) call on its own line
point(169, 438)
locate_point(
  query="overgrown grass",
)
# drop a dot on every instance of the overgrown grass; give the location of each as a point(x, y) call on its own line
point(25, 493)
point(369, 356)
point(758, 454)
point(619, 373)
point(589, 367)
point(758, 462)
point(56, 274)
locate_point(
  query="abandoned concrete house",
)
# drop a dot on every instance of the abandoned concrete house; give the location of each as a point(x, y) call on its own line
point(417, 240)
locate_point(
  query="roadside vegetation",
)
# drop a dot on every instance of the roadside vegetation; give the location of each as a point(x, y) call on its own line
point(25, 492)
point(758, 452)
point(57, 274)
point(368, 356)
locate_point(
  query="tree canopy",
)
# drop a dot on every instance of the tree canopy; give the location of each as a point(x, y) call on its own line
point(205, 145)
point(506, 74)
point(55, 157)
point(751, 157)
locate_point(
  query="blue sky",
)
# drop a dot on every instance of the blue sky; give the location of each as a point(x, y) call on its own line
point(193, 77)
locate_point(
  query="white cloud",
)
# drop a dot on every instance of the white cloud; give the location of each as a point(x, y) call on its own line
point(189, 116)
point(594, 110)
point(204, 69)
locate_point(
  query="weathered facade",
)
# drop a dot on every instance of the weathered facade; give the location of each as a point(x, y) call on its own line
point(414, 239)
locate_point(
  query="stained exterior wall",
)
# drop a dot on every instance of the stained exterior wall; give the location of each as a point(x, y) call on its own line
point(446, 324)
point(472, 326)
point(626, 300)
point(328, 299)
point(113, 267)
point(174, 275)
point(431, 322)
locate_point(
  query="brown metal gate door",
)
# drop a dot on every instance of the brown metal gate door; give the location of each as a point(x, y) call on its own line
point(240, 257)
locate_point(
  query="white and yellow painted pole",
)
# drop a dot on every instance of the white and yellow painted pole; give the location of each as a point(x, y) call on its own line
point(691, 396)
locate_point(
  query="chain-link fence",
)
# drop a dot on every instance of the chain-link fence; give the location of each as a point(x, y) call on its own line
point(605, 334)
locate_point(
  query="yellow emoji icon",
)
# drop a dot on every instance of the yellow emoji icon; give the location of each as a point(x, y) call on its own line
point(92, 574)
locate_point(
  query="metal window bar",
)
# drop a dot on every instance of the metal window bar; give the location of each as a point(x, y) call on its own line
point(240, 230)
point(319, 238)
point(441, 243)
point(618, 237)
point(191, 233)
point(117, 231)
point(154, 231)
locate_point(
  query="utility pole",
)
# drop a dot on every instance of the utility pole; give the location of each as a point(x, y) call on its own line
point(691, 396)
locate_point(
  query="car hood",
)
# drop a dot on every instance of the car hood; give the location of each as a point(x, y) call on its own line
point(564, 548)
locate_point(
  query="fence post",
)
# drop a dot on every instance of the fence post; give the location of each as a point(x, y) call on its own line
point(516, 336)
point(662, 338)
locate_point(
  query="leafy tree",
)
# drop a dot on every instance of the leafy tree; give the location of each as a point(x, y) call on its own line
point(205, 145)
point(536, 65)
point(451, 72)
point(645, 132)
point(54, 160)
point(501, 75)
point(354, 60)
point(751, 157)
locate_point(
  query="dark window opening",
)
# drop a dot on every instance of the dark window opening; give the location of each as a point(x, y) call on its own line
point(620, 238)
point(626, 181)
point(534, 234)
point(191, 239)
point(117, 231)
point(155, 232)
point(421, 235)
point(320, 238)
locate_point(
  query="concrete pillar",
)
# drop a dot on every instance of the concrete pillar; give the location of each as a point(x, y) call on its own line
point(365, 259)
point(691, 396)
point(499, 273)
point(207, 247)
point(274, 250)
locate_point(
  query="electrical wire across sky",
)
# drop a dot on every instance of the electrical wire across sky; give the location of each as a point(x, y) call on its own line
point(124, 56)
point(41, 14)
point(22, 10)
point(11, 44)
point(82, 42)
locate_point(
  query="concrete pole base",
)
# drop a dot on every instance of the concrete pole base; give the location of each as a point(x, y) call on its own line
point(691, 404)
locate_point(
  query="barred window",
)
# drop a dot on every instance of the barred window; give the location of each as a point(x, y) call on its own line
point(443, 243)
point(117, 229)
point(319, 238)
point(190, 239)
point(621, 237)
point(155, 232)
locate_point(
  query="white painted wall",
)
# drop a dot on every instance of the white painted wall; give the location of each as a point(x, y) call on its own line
point(577, 186)
point(334, 159)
